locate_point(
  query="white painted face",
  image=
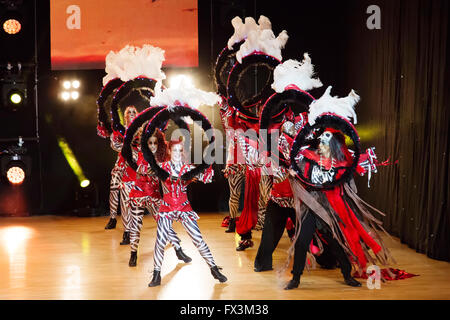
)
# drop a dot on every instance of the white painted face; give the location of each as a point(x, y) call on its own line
point(176, 153)
point(153, 144)
point(325, 138)
point(288, 128)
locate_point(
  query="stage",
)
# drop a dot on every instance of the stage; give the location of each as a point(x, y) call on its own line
point(55, 258)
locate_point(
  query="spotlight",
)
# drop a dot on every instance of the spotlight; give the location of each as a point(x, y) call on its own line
point(15, 174)
point(74, 95)
point(84, 183)
point(75, 84)
point(12, 26)
point(65, 95)
point(14, 95)
point(15, 164)
point(66, 85)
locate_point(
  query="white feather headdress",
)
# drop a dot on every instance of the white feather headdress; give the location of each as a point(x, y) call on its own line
point(264, 41)
point(297, 73)
point(242, 29)
point(344, 107)
point(131, 62)
point(183, 93)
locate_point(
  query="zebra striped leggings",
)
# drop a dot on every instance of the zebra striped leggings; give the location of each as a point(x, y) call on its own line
point(114, 191)
point(137, 215)
point(191, 227)
point(124, 208)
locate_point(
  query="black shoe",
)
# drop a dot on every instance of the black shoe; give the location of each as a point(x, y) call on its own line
point(217, 275)
point(156, 281)
point(133, 259)
point(260, 269)
point(111, 224)
point(352, 282)
point(231, 226)
point(125, 238)
point(182, 256)
point(244, 244)
point(292, 284)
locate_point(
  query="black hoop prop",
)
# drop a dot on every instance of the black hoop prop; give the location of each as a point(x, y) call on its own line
point(224, 62)
point(172, 113)
point(102, 115)
point(235, 77)
point(273, 110)
point(146, 84)
point(308, 135)
point(138, 122)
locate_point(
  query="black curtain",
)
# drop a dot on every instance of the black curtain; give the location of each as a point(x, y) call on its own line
point(401, 72)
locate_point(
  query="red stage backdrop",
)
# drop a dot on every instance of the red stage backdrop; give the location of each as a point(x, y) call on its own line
point(84, 31)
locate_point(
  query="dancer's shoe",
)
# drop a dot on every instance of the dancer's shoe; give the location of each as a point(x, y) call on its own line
point(156, 281)
point(217, 275)
point(182, 256)
point(133, 259)
point(111, 224)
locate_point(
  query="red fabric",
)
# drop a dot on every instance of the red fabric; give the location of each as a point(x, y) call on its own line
point(249, 215)
point(385, 274)
point(351, 227)
point(129, 175)
point(282, 190)
point(289, 224)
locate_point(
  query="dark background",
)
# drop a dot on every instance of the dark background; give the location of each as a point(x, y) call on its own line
point(400, 71)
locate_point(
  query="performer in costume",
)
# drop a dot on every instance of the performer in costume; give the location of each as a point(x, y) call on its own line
point(257, 47)
point(292, 79)
point(324, 192)
point(176, 175)
point(104, 130)
point(146, 194)
point(139, 68)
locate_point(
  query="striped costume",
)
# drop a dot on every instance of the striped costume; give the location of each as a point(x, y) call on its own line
point(175, 206)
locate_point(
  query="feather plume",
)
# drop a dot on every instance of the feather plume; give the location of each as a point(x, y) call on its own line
point(242, 29)
point(183, 93)
point(131, 62)
point(296, 73)
point(344, 107)
point(264, 41)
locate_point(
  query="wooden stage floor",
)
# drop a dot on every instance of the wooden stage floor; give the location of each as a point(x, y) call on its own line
point(51, 257)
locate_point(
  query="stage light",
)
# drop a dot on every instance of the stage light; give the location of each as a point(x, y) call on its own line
point(65, 95)
point(15, 97)
point(66, 85)
point(15, 164)
point(84, 183)
point(181, 80)
point(73, 162)
point(12, 26)
point(15, 175)
point(74, 95)
point(75, 84)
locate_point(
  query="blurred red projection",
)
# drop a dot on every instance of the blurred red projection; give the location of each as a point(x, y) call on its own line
point(84, 31)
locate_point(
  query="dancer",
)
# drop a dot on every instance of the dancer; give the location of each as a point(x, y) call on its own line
point(145, 194)
point(117, 174)
point(175, 206)
point(241, 113)
point(324, 197)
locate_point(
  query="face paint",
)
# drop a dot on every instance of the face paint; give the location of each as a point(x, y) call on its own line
point(153, 144)
point(325, 138)
point(176, 153)
point(130, 114)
